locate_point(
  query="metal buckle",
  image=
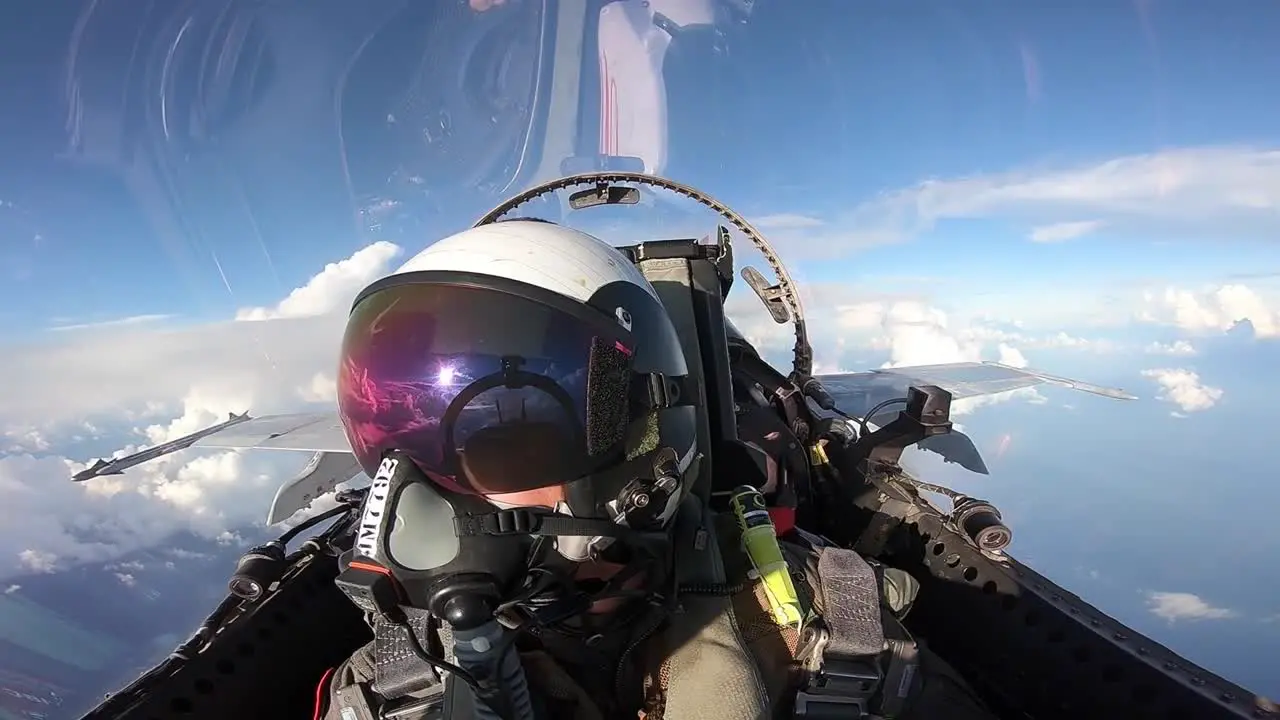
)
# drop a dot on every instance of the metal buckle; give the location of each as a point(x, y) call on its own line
point(846, 684)
point(659, 391)
point(812, 706)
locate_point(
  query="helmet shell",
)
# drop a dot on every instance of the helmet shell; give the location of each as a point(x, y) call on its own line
point(586, 270)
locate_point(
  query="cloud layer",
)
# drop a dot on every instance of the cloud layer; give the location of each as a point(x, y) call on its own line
point(135, 384)
point(140, 387)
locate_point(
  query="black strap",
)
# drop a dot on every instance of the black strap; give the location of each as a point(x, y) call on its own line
point(537, 521)
point(655, 391)
point(851, 604)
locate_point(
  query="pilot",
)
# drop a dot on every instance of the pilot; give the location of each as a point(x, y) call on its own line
point(515, 364)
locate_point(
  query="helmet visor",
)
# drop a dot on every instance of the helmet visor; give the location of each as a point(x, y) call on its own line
point(488, 391)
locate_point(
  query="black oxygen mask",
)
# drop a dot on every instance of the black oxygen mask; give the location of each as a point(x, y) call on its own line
point(435, 545)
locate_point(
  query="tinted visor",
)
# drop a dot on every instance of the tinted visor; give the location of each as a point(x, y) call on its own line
point(490, 391)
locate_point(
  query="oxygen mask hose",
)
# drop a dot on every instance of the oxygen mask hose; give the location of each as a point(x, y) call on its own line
point(482, 649)
point(760, 540)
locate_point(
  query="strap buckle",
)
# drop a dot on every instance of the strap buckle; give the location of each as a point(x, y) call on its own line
point(662, 393)
point(517, 521)
point(842, 689)
point(666, 391)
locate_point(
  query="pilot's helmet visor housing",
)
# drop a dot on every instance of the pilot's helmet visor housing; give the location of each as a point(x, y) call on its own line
point(491, 385)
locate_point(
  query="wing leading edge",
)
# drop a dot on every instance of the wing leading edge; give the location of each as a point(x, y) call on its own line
point(319, 433)
point(858, 393)
point(313, 432)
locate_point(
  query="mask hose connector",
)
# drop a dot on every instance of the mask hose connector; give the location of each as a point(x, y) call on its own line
point(483, 649)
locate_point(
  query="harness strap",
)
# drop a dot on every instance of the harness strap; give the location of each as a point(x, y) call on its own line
point(397, 671)
point(861, 669)
point(851, 600)
point(849, 675)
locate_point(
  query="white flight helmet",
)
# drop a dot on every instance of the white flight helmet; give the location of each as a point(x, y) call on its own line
point(531, 364)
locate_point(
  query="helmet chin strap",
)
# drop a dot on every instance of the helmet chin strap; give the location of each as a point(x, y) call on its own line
point(577, 548)
point(557, 596)
point(644, 502)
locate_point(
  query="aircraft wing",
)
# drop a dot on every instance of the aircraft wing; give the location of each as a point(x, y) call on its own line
point(858, 393)
point(320, 433)
point(314, 432)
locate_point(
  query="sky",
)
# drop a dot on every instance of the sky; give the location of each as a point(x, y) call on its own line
point(1092, 190)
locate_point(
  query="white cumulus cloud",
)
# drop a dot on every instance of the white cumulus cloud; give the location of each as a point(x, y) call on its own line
point(1183, 388)
point(1213, 310)
point(1177, 347)
point(1175, 606)
point(40, 561)
point(909, 331)
point(332, 288)
point(1012, 356)
point(145, 385)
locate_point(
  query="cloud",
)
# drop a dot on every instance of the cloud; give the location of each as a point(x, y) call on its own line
point(140, 375)
point(909, 330)
point(139, 386)
point(321, 388)
point(108, 324)
point(845, 323)
point(38, 561)
point(1213, 309)
point(1012, 356)
point(786, 221)
point(849, 325)
point(1039, 341)
point(332, 288)
point(1177, 347)
point(24, 440)
point(1183, 388)
point(1214, 192)
point(1061, 232)
point(1175, 606)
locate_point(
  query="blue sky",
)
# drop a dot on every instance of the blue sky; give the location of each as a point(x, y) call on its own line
point(888, 98)
point(1089, 187)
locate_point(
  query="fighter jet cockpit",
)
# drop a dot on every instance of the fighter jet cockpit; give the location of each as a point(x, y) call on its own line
point(658, 359)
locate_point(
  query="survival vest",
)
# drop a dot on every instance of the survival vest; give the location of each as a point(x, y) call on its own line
point(852, 657)
point(724, 655)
